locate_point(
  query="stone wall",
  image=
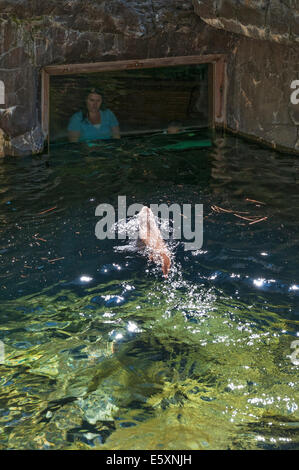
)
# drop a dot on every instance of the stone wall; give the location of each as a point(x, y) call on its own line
point(271, 20)
point(262, 65)
point(259, 104)
point(35, 33)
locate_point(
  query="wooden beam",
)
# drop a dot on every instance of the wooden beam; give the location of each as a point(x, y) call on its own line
point(159, 130)
point(71, 69)
point(220, 87)
point(211, 94)
point(45, 103)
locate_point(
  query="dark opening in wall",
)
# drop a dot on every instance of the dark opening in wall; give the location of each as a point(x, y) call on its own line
point(145, 94)
point(142, 100)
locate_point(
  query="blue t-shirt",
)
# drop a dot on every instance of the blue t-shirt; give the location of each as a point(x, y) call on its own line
point(90, 131)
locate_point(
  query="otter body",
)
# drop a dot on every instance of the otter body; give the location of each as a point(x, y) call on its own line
point(150, 236)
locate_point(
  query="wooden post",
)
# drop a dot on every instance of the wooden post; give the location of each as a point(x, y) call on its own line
point(45, 103)
point(220, 87)
point(211, 93)
point(72, 69)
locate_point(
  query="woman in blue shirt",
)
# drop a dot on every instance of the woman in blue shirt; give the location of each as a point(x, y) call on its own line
point(95, 123)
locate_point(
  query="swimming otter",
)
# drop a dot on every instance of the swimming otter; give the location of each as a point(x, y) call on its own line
point(150, 236)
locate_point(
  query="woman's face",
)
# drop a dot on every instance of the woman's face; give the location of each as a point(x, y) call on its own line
point(93, 102)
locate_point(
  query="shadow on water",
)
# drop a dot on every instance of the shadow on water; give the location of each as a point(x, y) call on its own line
point(103, 352)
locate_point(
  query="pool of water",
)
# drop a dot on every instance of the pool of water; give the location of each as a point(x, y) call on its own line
point(100, 350)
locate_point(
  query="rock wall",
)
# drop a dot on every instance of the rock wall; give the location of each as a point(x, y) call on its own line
point(262, 54)
point(259, 104)
point(272, 20)
point(34, 34)
point(262, 65)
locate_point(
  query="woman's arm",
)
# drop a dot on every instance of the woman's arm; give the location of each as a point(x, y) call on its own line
point(115, 132)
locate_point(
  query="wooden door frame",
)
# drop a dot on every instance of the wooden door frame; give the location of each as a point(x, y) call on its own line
point(216, 71)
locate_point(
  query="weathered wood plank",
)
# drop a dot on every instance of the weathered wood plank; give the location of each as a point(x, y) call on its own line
point(45, 103)
point(211, 92)
point(130, 64)
point(220, 91)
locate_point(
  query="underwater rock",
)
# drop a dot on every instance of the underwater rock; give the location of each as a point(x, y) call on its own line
point(29, 143)
point(97, 406)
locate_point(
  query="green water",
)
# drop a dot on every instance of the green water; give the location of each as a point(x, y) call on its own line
point(101, 351)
